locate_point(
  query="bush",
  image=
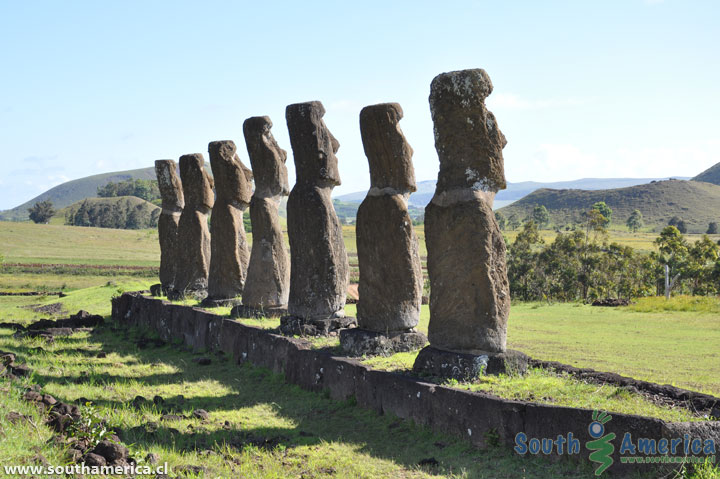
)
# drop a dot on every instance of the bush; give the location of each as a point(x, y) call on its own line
point(42, 211)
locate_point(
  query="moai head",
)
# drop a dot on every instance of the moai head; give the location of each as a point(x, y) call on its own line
point(313, 145)
point(197, 187)
point(387, 150)
point(169, 185)
point(231, 180)
point(266, 158)
point(467, 138)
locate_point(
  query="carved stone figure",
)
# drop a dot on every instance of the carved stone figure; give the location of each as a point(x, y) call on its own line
point(319, 265)
point(391, 280)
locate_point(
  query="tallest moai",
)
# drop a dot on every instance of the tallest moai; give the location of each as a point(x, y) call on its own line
point(469, 290)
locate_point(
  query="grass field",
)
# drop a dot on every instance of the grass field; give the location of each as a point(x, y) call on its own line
point(277, 430)
point(25, 242)
point(259, 427)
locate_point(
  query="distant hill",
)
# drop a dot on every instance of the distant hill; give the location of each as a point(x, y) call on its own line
point(711, 175)
point(695, 202)
point(76, 190)
point(515, 191)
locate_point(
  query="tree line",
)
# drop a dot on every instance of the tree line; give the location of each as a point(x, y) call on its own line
point(634, 222)
point(583, 265)
point(144, 189)
point(120, 214)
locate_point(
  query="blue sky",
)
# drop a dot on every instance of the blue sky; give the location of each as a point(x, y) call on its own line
point(582, 88)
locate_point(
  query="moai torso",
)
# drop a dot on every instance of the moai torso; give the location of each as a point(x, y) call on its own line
point(172, 205)
point(319, 267)
point(268, 278)
point(193, 235)
point(230, 254)
point(469, 290)
point(388, 252)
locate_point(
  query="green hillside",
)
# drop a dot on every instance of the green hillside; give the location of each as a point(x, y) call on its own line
point(76, 190)
point(695, 202)
point(711, 175)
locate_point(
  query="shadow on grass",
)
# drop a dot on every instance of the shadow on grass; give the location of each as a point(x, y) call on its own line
point(316, 418)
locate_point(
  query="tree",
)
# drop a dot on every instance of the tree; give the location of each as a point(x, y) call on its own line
point(42, 211)
point(522, 260)
point(682, 227)
point(679, 223)
point(501, 220)
point(635, 221)
point(606, 212)
point(674, 252)
point(540, 215)
point(712, 228)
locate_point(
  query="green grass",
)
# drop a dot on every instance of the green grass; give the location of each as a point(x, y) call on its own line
point(53, 282)
point(669, 343)
point(30, 243)
point(307, 434)
point(539, 385)
point(689, 304)
point(95, 299)
point(674, 347)
point(314, 435)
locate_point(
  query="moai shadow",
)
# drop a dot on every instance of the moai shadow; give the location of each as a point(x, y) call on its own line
point(191, 274)
point(469, 289)
point(267, 285)
point(319, 265)
point(229, 249)
point(173, 202)
point(391, 278)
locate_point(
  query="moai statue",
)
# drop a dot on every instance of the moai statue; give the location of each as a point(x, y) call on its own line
point(191, 275)
point(319, 265)
point(172, 205)
point(229, 249)
point(469, 289)
point(388, 251)
point(267, 285)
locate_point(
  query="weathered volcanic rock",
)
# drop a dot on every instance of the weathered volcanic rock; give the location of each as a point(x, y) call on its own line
point(268, 279)
point(191, 275)
point(319, 265)
point(390, 284)
point(467, 138)
point(470, 295)
point(229, 249)
point(173, 202)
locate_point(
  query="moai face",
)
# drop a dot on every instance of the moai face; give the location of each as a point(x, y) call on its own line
point(266, 157)
point(197, 187)
point(467, 138)
point(169, 185)
point(387, 150)
point(313, 145)
point(231, 180)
